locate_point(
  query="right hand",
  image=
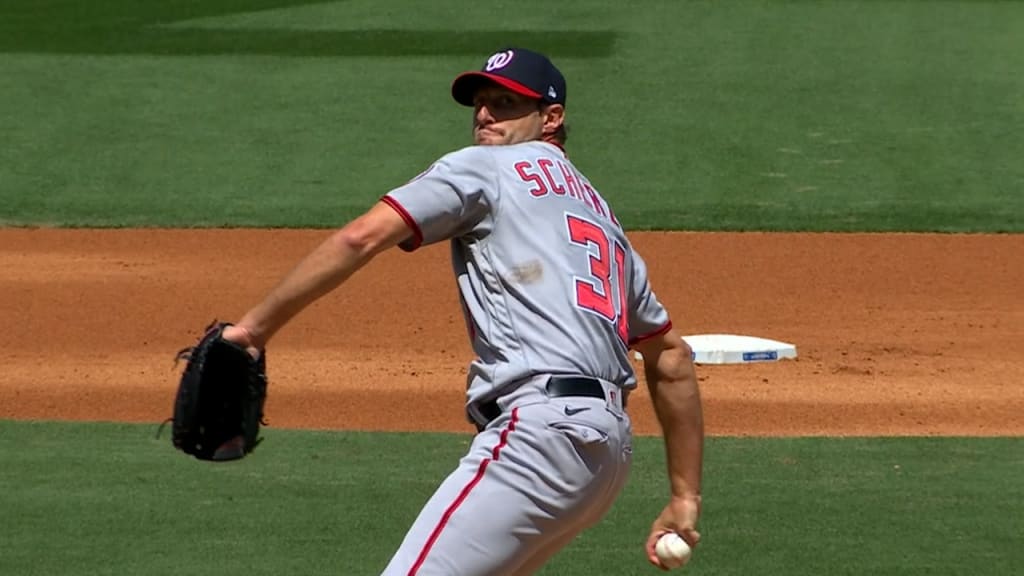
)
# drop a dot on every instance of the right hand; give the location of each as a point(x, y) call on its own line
point(679, 516)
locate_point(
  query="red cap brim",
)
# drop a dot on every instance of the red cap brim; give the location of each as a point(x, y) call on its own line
point(465, 86)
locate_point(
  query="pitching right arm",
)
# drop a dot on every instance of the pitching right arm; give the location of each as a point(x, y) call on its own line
point(672, 382)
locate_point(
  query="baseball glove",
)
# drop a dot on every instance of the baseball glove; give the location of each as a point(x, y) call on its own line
point(218, 409)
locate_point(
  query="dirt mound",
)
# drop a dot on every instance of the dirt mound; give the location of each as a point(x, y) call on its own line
point(897, 334)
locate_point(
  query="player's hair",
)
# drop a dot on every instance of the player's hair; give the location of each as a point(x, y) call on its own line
point(562, 134)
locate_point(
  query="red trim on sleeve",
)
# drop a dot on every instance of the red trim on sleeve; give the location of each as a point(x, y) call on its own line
point(464, 493)
point(417, 234)
point(648, 336)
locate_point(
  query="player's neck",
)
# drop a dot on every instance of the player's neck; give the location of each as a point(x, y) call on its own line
point(550, 139)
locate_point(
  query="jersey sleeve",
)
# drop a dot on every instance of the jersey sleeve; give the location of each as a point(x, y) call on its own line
point(647, 317)
point(453, 197)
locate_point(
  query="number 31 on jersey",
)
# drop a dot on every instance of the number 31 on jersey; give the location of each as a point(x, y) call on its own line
point(607, 270)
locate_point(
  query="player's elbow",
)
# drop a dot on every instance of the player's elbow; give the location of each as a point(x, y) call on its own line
point(356, 237)
point(682, 347)
point(377, 230)
point(674, 387)
point(669, 365)
point(668, 348)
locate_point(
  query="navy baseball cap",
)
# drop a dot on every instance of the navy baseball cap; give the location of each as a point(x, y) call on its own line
point(520, 70)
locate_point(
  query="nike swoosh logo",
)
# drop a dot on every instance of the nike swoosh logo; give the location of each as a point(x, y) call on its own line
point(570, 411)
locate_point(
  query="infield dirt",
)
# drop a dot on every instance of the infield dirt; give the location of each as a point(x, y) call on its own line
point(897, 334)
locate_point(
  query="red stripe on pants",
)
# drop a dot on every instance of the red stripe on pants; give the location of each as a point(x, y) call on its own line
point(464, 494)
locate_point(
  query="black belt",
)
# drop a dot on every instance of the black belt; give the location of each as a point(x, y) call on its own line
point(557, 386)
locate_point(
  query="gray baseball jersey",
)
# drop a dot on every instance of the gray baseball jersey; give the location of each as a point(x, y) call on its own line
point(530, 232)
point(550, 286)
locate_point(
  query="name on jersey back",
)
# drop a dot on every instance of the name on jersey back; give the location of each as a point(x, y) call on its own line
point(554, 177)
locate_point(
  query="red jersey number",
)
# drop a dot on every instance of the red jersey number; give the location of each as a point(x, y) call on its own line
point(606, 270)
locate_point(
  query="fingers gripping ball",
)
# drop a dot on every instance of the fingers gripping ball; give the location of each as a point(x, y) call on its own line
point(672, 550)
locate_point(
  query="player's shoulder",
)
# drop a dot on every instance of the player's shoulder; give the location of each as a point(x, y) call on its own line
point(472, 162)
point(469, 156)
point(476, 153)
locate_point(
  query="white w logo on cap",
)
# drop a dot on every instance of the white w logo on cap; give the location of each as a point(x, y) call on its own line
point(499, 60)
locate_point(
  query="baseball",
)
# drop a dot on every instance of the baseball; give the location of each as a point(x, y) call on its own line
point(672, 550)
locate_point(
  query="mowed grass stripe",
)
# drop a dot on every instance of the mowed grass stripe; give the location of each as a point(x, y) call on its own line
point(129, 27)
point(858, 115)
point(113, 499)
point(124, 40)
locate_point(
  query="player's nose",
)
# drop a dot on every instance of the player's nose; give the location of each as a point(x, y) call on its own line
point(483, 114)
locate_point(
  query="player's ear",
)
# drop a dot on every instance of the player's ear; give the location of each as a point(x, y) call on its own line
point(553, 116)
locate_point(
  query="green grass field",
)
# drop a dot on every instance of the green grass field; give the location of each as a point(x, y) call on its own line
point(844, 115)
point(741, 115)
point(112, 499)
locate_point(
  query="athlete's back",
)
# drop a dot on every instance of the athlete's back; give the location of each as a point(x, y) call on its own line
point(549, 281)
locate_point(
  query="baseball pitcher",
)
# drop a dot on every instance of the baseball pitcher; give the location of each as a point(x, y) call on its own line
point(554, 298)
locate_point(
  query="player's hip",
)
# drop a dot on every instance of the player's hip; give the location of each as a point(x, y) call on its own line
point(579, 445)
point(578, 398)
